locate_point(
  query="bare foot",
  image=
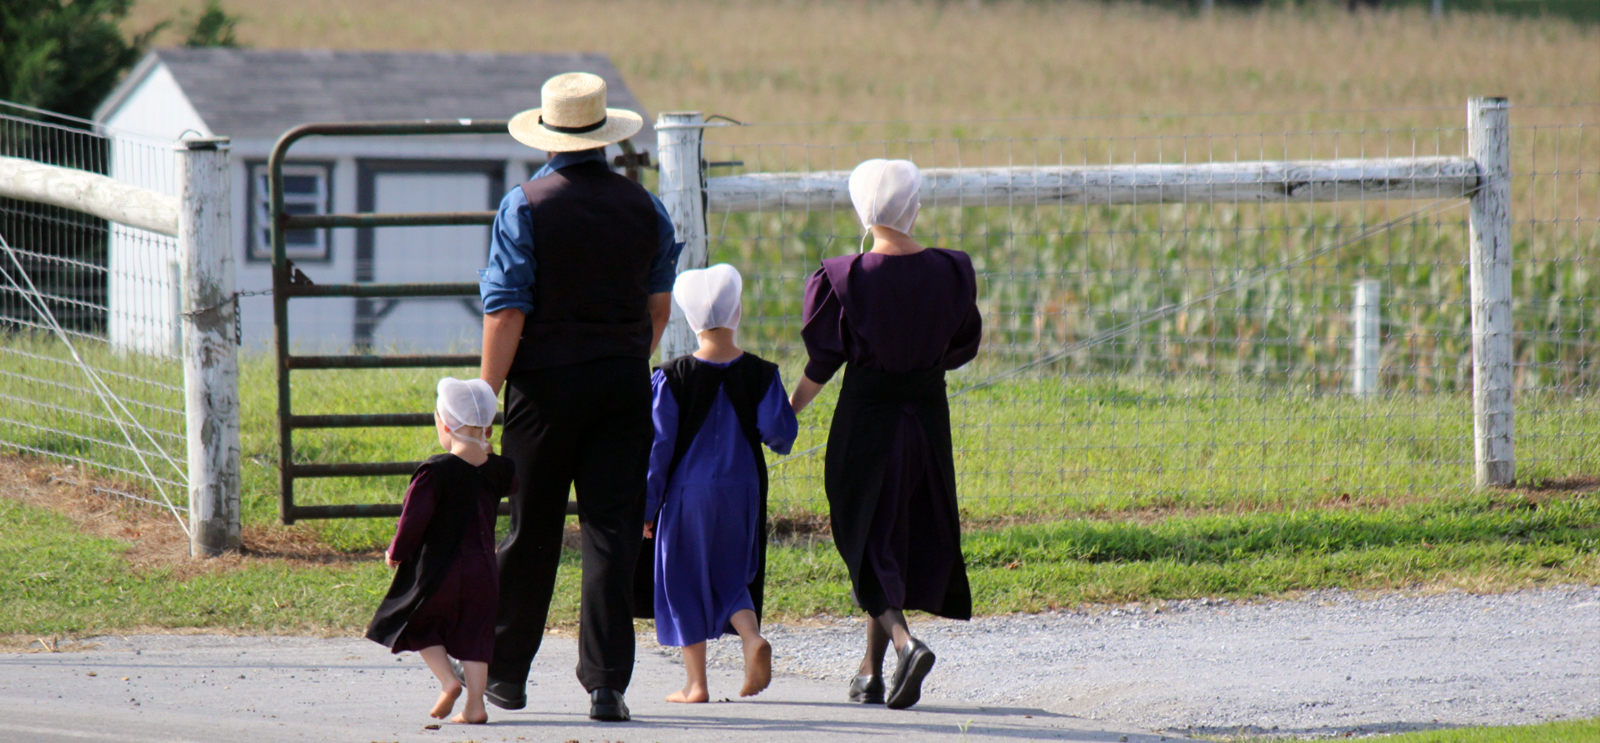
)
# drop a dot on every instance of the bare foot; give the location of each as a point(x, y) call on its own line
point(690, 694)
point(757, 667)
point(471, 717)
point(447, 702)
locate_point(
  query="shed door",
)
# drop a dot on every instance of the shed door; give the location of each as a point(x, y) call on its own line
point(424, 254)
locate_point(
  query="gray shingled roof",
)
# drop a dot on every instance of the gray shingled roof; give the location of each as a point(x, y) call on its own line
point(263, 92)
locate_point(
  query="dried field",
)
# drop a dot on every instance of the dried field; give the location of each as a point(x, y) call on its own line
point(934, 63)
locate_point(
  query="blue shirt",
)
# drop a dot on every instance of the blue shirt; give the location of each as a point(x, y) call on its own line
point(508, 280)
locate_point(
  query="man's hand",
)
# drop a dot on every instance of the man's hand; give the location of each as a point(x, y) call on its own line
point(390, 561)
point(660, 312)
point(502, 331)
point(804, 393)
point(649, 530)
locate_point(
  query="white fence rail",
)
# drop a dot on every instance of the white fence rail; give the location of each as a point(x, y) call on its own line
point(1041, 312)
point(1274, 182)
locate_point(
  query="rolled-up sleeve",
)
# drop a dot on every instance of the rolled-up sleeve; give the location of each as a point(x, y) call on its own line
point(507, 282)
point(823, 328)
point(664, 267)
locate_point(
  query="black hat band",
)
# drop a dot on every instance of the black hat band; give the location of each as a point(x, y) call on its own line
point(573, 129)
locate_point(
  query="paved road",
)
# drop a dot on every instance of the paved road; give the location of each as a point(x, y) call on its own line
point(1326, 664)
point(209, 689)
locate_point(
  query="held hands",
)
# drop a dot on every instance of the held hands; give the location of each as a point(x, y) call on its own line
point(649, 530)
point(804, 393)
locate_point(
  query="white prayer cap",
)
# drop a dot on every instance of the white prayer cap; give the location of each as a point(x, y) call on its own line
point(885, 193)
point(709, 297)
point(466, 403)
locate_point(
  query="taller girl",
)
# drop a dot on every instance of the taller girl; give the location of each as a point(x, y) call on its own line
point(901, 316)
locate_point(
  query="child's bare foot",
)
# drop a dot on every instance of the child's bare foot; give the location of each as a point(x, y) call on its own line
point(690, 694)
point(447, 702)
point(471, 717)
point(757, 667)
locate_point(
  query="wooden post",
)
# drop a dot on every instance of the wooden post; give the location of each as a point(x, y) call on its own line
point(210, 361)
point(1366, 347)
point(1489, 144)
point(682, 190)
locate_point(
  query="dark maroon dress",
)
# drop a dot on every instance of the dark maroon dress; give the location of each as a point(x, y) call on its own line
point(446, 590)
point(899, 322)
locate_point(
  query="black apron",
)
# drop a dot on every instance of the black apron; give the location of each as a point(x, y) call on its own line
point(891, 484)
point(694, 385)
point(456, 486)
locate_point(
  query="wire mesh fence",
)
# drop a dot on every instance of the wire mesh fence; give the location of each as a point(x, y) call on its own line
point(89, 323)
point(1192, 352)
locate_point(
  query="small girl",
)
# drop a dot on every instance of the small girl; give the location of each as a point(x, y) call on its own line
point(707, 497)
point(445, 593)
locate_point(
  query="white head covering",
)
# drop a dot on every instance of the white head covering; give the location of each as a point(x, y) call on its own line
point(885, 192)
point(709, 297)
point(466, 403)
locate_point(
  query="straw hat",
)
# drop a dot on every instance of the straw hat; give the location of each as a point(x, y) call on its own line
point(574, 116)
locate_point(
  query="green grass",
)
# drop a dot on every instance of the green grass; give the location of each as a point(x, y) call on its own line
point(1573, 731)
point(63, 581)
point(1041, 447)
point(1576, 731)
point(1479, 543)
point(58, 580)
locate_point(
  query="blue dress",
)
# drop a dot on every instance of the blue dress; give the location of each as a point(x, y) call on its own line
point(709, 512)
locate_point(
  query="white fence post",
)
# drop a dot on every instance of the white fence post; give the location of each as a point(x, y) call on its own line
point(682, 190)
point(210, 360)
point(1489, 143)
point(1366, 346)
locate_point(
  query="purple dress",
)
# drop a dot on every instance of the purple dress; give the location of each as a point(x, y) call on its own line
point(708, 513)
point(899, 322)
point(460, 613)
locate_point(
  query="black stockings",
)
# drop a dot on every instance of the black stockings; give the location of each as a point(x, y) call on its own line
point(890, 625)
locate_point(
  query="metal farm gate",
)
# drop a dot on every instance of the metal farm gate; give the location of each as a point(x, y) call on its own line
point(289, 283)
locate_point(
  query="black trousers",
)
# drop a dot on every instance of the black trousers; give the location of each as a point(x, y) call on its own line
point(585, 427)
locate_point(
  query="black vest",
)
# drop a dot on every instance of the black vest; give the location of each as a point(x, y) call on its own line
point(595, 235)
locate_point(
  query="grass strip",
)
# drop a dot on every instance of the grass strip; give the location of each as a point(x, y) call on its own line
point(61, 581)
point(1569, 731)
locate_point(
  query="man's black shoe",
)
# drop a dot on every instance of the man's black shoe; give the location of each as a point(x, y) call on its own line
point(916, 660)
point(866, 689)
point(606, 705)
point(499, 693)
point(506, 695)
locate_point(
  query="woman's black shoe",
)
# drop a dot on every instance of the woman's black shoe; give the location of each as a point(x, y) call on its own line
point(916, 660)
point(606, 705)
point(867, 689)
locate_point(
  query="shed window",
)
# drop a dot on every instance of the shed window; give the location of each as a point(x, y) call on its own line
point(305, 191)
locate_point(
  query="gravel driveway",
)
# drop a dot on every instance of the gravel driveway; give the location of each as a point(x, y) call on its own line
point(1325, 664)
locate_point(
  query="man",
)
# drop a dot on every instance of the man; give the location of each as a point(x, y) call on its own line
point(575, 297)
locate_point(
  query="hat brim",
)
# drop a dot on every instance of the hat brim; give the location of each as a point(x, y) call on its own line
point(620, 124)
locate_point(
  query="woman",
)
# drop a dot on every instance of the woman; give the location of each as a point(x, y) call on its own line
point(900, 316)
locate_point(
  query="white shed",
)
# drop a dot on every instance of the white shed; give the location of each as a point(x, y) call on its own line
point(254, 96)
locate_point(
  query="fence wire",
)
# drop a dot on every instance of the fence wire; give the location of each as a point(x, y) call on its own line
point(1199, 355)
point(89, 326)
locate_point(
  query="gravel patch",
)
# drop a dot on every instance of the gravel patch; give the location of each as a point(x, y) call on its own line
point(1326, 664)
